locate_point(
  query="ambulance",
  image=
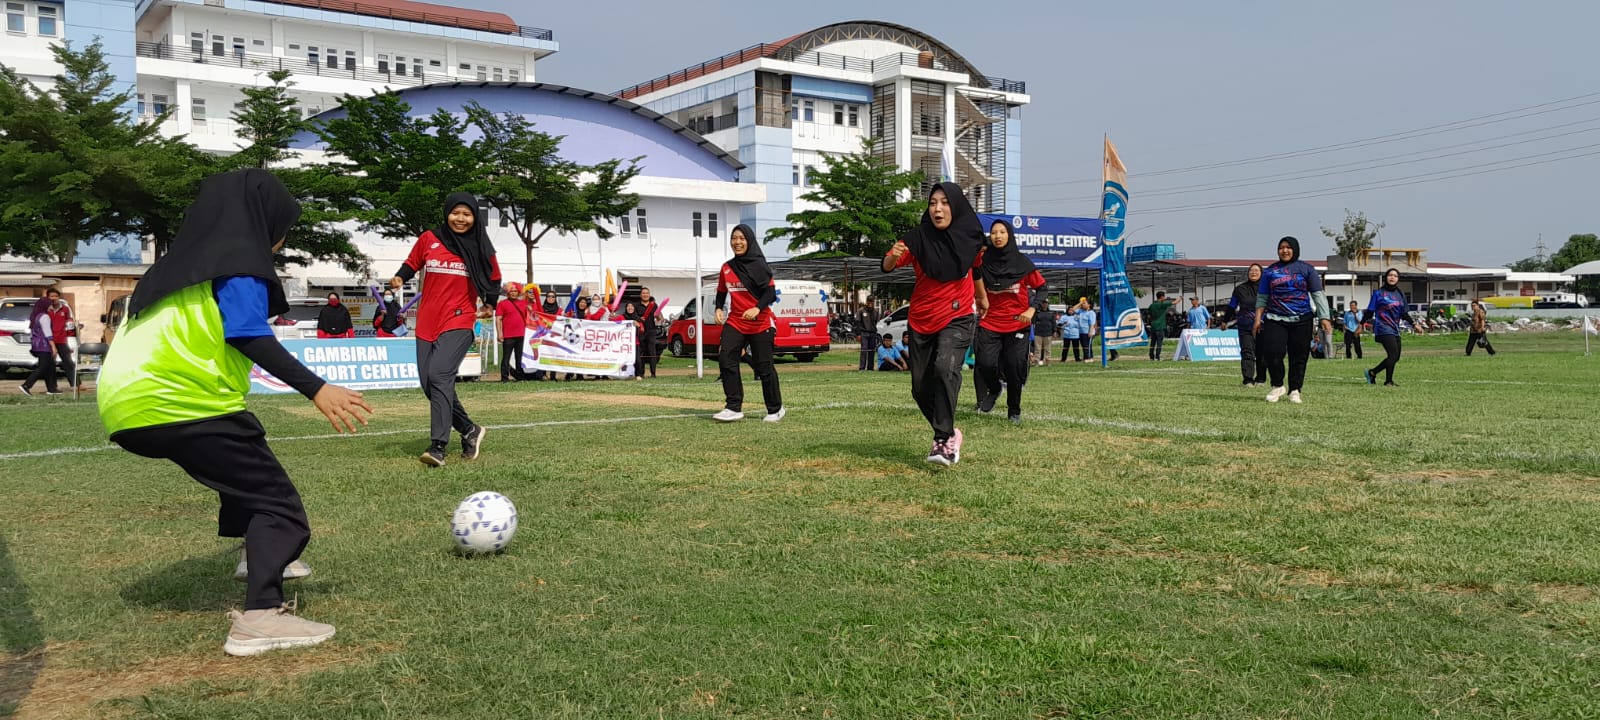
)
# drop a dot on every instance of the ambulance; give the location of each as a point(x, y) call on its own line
point(801, 313)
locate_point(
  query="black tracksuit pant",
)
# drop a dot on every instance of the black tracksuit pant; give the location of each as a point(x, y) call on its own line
point(728, 354)
point(1000, 355)
point(1280, 339)
point(937, 361)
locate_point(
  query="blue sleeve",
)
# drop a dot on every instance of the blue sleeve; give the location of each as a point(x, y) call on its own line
point(243, 302)
point(1313, 279)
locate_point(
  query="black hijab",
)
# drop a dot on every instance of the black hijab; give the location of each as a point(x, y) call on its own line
point(1386, 285)
point(946, 255)
point(1003, 266)
point(473, 247)
point(229, 229)
point(334, 319)
point(1294, 245)
point(752, 268)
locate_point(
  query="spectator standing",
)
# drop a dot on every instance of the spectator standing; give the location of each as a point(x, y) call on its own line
point(1478, 337)
point(1069, 335)
point(1158, 323)
point(1199, 317)
point(1243, 303)
point(63, 327)
point(1352, 331)
point(333, 321)
point(867, 332)
point(512, 314)
point(1088, 324)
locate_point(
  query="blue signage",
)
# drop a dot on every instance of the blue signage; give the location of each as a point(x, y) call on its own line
point(358, 364)
point(1054, 242)
point(1148, 253)
point(1204, 345)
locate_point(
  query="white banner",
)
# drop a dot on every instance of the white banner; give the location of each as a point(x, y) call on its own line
point(584, 347)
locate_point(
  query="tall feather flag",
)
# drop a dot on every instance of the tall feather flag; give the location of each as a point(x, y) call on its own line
point(1120, 323)
point(947, 163)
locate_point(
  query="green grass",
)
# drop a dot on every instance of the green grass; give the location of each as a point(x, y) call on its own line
point(1152, 542)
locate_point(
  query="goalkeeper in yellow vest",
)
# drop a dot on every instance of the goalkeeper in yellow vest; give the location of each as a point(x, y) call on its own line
point(174, 384)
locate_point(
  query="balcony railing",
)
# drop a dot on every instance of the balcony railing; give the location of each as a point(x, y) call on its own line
point(822, 60)
point(299, 66)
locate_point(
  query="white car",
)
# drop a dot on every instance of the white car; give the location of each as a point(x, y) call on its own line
point(895, 324)
point(300, 322)
point(16, 339)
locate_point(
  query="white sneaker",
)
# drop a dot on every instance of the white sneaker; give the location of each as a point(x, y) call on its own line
point(258, 631)
point(1294, 397)
point(296, 570)
point(1276, 394)
point(774, 417)
point(728, 415)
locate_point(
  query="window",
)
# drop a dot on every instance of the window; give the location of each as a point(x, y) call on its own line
point(499, 74)
point(810, 107)
point(515, 74)
point(257, 43)
point(435, 64)
point(465, 67)
point(238, 48)
point(16, 20)
point(197, 44)
point(838, 114)
point(141, 105)
point(623, 225)
point(159, 104)
point(483, 72)
point(695, 226)
point(794, 108)
point(400, 65)
point(333, 58)
point(383, 63)
point(713, 228)
point(811, 174)
point(197, 110)
point(644, 228)
point(47, 20)
point(855, 116)
point(216, 46)
point(416, 69)
point(313, 57)
point(795, 169)
point(350, 60)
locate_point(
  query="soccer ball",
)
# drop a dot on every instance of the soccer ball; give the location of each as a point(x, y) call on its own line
point(484, 523)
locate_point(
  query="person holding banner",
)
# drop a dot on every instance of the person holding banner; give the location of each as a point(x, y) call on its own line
point(1015, 295)
point(461, 274)
point(173, 387)
point(388, 317)
point(942, 250)
point(1288, 297)
point(512, 313)
point(744, 284)
point(1386, 310)
point(1243, 303)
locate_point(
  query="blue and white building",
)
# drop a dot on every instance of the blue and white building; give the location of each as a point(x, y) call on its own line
point(782, 107)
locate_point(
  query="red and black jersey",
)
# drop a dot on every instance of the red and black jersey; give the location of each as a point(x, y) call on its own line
point(933, 303)
point(740, 301)
point(449, 300)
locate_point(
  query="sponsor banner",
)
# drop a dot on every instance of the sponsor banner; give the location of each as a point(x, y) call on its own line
point(358, 364)
point(1121, 326)
point(584, 347)
point(1053, 242)
point(1205, 345)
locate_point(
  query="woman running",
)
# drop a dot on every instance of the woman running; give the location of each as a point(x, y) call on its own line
point(1015, 293)
point(1287, 298)
point(745, 284)
point(1386, 310)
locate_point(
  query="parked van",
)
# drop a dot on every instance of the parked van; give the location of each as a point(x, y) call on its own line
point(800, 313)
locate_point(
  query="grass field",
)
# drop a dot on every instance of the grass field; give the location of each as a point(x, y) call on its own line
point(1152, 542)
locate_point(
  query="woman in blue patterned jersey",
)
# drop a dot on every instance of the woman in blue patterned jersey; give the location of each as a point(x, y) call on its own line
point(1386, 310)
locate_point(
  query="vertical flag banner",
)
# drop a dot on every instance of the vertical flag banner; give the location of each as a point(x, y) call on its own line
point(1119, 310)
point(947, 163)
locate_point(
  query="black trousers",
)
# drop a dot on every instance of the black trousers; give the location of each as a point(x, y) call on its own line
point(1472, 341)
point(1280, 339)
point(511, 359)
point(936, 364)
point(1250, 365)
point(1000, 355)
point(1391, 357)
point(1157, 337)
point(728, 355)
point(437, 365)
point(649, 353)
point(69, 367)
point(1352, 340)
point(44, 366)
point(869, 350)
point(229, 454)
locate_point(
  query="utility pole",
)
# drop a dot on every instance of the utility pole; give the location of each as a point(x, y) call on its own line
point(1538, 249)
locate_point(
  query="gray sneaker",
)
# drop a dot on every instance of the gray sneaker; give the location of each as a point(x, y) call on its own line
point(296, 570)
point(258, 631)
point(472, 442)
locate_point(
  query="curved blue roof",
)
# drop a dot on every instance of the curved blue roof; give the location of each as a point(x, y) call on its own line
point(596, 126)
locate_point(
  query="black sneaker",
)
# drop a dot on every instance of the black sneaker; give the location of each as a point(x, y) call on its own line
point(471, 441)
point(1015, 419)
point(24, 389)
point(434, 457)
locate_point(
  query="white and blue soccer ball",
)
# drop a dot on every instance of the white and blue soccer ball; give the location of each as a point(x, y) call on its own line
point(484, 523)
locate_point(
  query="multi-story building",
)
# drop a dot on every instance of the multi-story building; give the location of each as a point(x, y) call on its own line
point(782, 107)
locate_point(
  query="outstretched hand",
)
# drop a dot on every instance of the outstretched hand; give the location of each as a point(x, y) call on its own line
point(342, 406)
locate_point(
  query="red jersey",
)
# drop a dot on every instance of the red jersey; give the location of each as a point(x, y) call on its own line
point(58, 323)
point(741, 300)
point(1005, 304)
point(449, 301)
point(513, 316)
point(934, 304)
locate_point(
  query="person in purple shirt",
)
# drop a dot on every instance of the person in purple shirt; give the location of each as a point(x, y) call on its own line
point(1287, 299)
point(1386, 310)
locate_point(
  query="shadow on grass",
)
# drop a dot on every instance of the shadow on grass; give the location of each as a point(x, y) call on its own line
point(21, 637)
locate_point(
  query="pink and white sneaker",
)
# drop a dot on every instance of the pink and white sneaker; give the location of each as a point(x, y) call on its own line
point(952, 448)
point(938, 455)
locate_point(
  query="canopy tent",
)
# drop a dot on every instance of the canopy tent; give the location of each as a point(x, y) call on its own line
point(1589, 268)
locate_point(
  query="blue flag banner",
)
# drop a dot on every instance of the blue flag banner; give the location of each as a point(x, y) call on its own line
point(1054, 242)
point(1119, 310)
point(1204, 345)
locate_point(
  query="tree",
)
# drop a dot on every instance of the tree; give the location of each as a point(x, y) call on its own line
point(268, 118)
point(1529, 264)
point(1579, 249)
point(1353, 240)
point(76, 164)
point(866, 212)
point(391, 172)
point(537, 191)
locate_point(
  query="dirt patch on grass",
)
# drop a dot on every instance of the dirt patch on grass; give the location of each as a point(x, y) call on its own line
point(1550, 593)
point(1438, 477)
point(65, 692)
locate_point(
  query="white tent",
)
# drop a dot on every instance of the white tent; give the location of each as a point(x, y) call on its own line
point(1589, 268)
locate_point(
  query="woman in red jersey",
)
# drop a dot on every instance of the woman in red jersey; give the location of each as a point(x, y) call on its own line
point(942, 250)
point(1015, 291)
point(460, 275)
point(745, 285)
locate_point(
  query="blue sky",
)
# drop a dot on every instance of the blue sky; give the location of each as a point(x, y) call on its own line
point(1179, 84)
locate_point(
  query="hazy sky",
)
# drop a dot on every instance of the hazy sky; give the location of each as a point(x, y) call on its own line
point(1182, 83)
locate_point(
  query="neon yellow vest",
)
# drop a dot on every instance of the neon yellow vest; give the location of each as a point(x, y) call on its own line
point(172, 365)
